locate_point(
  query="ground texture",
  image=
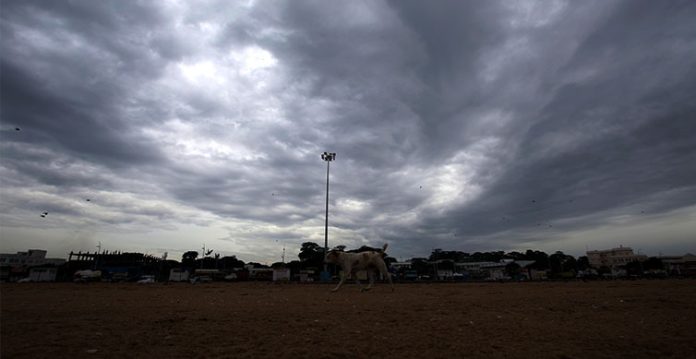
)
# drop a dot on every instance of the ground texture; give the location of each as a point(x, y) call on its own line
point(611, 319)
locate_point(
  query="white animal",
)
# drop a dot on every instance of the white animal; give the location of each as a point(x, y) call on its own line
point(353, 262)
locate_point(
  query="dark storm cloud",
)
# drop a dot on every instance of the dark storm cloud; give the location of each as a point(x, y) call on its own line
point(67, 89)
point(610, 141)
point(366, 69)
point(455, 123)
point(82, 123)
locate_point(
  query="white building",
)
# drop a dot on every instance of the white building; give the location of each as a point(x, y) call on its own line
point(281, 274)
point(30, 258)
point(614, 257)
point(178, 275)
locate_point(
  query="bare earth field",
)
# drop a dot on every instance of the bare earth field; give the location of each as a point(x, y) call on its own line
point(612, 319)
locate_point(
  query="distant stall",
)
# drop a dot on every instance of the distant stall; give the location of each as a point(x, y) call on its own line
point(281, 274)
point(178, 275)
point(43, 274)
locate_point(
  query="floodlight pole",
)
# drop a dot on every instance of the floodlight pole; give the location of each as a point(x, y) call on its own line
point(328, 157)
point(326, 218)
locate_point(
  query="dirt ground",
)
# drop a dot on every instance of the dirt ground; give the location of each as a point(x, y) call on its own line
point(611, 319)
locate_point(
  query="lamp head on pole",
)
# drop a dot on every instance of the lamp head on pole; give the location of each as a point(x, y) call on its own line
point(328, 156)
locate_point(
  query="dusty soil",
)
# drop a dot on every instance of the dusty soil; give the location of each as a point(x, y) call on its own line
point(613, 319)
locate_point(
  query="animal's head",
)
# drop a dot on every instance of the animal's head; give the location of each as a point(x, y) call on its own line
point(332, 256)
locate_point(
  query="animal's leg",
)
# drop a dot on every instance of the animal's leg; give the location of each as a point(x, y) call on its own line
point(370, 275)
point(385, 272)
point(357, 281)
point(340, 283)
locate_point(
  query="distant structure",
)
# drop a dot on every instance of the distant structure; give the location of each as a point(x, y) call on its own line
point(680, 265)
point(31, 265)
point(30, 258)
point(614, 257)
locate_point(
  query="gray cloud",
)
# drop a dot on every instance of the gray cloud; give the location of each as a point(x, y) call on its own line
point(473, 126)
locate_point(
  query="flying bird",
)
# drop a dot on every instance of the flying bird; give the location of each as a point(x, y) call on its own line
point(17, 129)
point(43, 215)
point(88, 200)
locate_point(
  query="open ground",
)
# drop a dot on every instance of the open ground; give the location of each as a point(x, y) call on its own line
point(605, 319)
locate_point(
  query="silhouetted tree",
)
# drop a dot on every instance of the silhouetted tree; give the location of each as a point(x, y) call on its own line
point(309, 251)
point(311, 255)
point(583, 263)
point(516, 256)
point(446, 264)
point(206, 263)
point(421, 266)
point(257, 265)
point(541, 259)
point(570, 264)
point(634, 268)
point(562, 263)
point(230, 262)
point(295, 267)
point(455, 256)
point(488, 256)
point(188, 259)
point(653, 263)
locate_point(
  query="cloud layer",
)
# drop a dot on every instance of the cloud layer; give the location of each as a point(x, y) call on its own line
point(461, 125)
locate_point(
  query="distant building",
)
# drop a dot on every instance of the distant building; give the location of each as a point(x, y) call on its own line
point(306, 275)
point(43, 274)
point(497, 270)
point(281, 274)
point(178, 275)
point(680, 265)
point(402, 265)
point(614, 257)
point(30, 258)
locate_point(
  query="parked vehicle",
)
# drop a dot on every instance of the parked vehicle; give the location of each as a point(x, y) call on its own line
point(146, 279)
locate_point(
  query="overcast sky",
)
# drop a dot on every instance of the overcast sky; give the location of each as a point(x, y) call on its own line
point(161, 126)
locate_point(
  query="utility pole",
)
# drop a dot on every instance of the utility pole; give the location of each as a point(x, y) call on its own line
point(96, 257)
point(328, 157)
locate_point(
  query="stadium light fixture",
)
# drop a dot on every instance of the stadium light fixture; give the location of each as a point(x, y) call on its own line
point(328, 157)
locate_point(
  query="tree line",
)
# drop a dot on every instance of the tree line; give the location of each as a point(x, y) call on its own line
point(311, 258)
